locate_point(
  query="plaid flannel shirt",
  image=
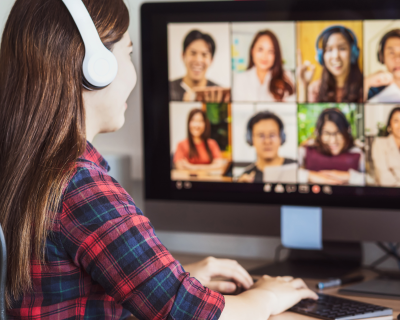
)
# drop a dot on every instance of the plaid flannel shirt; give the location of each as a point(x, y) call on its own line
point(104, 261)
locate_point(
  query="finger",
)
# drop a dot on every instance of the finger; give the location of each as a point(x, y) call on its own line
point(238, 267)
point(219, 95)
point(287, 278)
point(226, 267)
point(214, 94)
point(307, 294)
point(299, 58)
point(209, 96)
point(199, 96)
point(222, 286)
point(233, 274)
point(298, 284)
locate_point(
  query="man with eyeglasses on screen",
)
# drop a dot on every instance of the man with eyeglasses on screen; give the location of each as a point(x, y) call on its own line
point(265, 131)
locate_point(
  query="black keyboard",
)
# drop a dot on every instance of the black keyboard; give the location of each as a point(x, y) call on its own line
point(329, 307)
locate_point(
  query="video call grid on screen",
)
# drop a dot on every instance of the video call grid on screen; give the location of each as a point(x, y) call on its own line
point(300, 87)
point(322, 135)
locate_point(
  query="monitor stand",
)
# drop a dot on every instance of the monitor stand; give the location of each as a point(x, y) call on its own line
point(336, 259)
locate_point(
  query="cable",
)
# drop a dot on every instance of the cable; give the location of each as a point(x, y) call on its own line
point(395, 249)
point(391, 252)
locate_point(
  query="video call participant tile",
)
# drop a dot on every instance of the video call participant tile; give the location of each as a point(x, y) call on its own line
point(264, 142)
point(329, 61)
point(199, 62)
point(382, 131)
point(330, 144)
point(263, 56)
point(200, 141)
point(382, 61)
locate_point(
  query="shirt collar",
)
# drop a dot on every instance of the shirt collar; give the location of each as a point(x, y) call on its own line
point(93, 156)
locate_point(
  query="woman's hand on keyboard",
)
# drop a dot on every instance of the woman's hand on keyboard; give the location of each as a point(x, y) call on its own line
point(284, 291)
point(205, 270)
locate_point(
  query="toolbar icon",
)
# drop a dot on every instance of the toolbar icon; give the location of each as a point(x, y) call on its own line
point(290, 188)
point(279, 188)
point(316, 189)
point(304, 188)
point(327, 190)
point(268, 187)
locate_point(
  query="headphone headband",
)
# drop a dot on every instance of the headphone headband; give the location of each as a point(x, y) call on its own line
point(100, 66)
point(355, 51)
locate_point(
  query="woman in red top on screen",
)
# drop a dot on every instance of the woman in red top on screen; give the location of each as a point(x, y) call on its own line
point(331, 158)
point(198, 151)
point(341, 80)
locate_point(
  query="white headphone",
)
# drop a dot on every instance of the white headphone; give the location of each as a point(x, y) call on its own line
point(100, 66)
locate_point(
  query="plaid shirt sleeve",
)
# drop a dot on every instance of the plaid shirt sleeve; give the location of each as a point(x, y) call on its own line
point(107, 235)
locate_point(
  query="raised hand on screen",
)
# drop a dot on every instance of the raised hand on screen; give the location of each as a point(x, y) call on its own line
point(306, 69)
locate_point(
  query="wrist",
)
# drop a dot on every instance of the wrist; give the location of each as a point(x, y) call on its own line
point(263, 301)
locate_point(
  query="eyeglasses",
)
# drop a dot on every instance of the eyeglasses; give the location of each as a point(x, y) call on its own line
point(326, 135)
point(273, 137)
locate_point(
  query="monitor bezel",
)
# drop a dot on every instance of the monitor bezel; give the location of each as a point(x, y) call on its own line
point(154, 20)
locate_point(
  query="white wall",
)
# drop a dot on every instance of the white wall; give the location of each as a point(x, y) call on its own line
point(5, 7)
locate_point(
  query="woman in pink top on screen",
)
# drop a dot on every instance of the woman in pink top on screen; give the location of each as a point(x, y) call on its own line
point(198, 151)
point(341, 80)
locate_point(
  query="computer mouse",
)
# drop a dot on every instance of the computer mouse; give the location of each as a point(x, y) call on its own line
point(398, 317)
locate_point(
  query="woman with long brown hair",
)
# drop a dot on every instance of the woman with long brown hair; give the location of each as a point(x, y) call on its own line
point(332, 157)
point(342, 79)
point(198, 151)
point(265, 79)
point(78, 247)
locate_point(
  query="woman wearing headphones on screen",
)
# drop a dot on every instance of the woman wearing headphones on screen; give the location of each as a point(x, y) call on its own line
point(341, 80)
point(265, 78)
point(80, 247)
point(198, 151)
point(386, 153)
point(331, 158)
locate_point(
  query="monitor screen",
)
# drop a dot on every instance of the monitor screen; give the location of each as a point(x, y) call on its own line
point(301, 110)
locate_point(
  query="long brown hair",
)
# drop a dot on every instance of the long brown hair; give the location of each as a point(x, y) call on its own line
point(279, 84)
point(339, 119)
point(42, 116)
point(204, 136)
point(354, 82)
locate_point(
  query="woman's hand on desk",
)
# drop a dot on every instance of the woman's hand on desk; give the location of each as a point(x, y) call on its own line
point(211, 267)
point(285, 292)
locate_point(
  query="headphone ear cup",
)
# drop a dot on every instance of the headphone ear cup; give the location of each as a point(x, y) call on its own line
point(249, 138)
point(88, 86)
point(320, 56)
point(380, 58)
point(355, 53)
point(283, 137)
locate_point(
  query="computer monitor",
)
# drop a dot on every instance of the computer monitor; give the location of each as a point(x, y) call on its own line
point(248, 106)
